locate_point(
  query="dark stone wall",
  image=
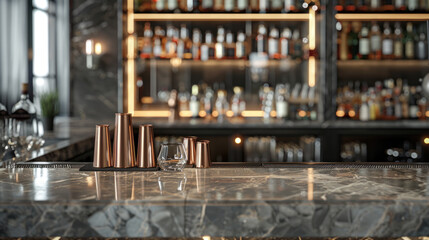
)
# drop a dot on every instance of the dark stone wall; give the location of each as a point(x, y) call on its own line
point(94, 92)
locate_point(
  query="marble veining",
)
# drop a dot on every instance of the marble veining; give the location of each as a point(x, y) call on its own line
point(224, 202)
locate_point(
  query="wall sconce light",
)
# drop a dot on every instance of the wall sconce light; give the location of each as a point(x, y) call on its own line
point(93, 52)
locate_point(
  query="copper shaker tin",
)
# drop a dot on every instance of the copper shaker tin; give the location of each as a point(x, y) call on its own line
point(145, 151)
point(102, 148)
point(202, 159)
point(189, 143)
point(123, 146)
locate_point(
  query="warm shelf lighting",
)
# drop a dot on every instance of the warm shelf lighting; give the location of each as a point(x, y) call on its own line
point(98, 48)
point(150, 113)
point(426, 140)
point(382, 17)
point(237, 140)
point(252, 113)
point(221, 17)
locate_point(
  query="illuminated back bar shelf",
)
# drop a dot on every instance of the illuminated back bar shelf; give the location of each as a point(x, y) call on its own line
point(382, 16)
point(219, 17)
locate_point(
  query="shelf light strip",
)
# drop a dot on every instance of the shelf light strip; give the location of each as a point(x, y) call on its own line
point(130, 56)
point(312, 47)
point(221, 16)
point(166, 113)
point(382, 16)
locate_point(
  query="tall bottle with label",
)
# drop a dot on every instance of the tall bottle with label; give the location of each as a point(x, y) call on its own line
point(422, 50)
point(208, 48)
point(387, 43)
point(196, 44)
point(184, 45)
point(375, 42)
point(218, 6)
point(282, 98)
point(229, 5)
point(158, 50)
point(409, 42)
point(276, 5)
point(194, 103)
point(206, 6)
point(273, 44)
point(364, 46)
point(242, 5)
point(297, 44)
point(375, 5)
point(220, 45)
point(289, 6)
point(261, 39)
point(398, 49)
point(229, 46)
point(241, 46)
point(238, 105)
point(172, 5)
point(353, 42)
point(147, 42)
point(412, 5)
point(400, 5)
point(285, 43)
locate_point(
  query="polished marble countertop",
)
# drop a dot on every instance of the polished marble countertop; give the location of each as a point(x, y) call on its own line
point(224, 202)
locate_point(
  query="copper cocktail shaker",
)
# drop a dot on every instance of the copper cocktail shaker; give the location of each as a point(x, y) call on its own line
point(203, 154)
point(145, 152)
point(123, 146)
point(189, 143)
point(102, 149)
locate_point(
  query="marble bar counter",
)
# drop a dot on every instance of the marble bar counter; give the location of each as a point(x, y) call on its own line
point(218, 202)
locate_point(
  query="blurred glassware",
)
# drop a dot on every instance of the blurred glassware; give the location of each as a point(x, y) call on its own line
point(172, 157)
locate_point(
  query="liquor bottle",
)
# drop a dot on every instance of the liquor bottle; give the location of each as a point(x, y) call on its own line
point(339, 7)
point(412, 5)
point(422, 103)
point(375, 5)
point(218, 6)
point(229, 46)
point(364, 109)
point(147, 41)
point(289, 6)
point(196, 43)
point(350, 6)
point(397, 101)
point(229, 5)
point(221, 105)
point(157, 42)
point(242, 5)
point(238, 105)
point(276, 6)
point(364, 46)
point(144, 6)
point(342, 45)
point(160, 5)
point(412, 104)
point(285, 43)
point(189, 5)
point(241, 46)
point(172, 5)
point(220, 46)
point(387, 44)
point(206, 6)
point(353, 42)
point(170, 43)
point(263, 6)
point(297, 44)
point(400, 5)
point(281, 95)
point(375, 42)
point(254, 5)
point(24, 109)
point(422, 47)
point(273, 44)
point(363, 5)
point(208, 48)
point(398, 49)
point(208, 101)
point(194, 103)
point(388, 5)
point(404, 98)
point(184, 44)
point(301, 113)
point(261, 39)
point(409, 42)
point(312, 110)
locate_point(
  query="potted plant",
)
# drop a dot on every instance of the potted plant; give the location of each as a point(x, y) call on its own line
point(49, 107)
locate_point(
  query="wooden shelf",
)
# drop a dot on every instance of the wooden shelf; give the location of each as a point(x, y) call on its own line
point(412, 64)
point(221, 17)
point(382, 16)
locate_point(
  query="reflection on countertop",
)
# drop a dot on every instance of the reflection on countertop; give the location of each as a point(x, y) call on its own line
point(256, 202)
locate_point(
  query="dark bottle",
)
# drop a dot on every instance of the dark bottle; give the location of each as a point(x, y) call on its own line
point(229, 46)
point(184, 45)
point(146, 51)
point(409, 42)
point(412, 104)
point(353, 42)
point(297, 44)
point(289, 6)
point(363, 5)
point(196, 43)
point(387, 5)
point(350, 6)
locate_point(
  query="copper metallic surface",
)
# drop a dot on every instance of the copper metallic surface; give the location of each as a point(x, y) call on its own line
point(202, 159)
point(189, 143)
point(123, 146)
point(145, 152)
point(102, 149)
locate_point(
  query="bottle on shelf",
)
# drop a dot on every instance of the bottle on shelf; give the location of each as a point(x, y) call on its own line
point(229, 5)
point(238, 105)
point(387, 42)
point(281, 95)
point(398, 49)
point(208, 48)
point(206, 6)
point(364, 43)
point(273, 44)
point(422, 47)
point(172, 5)
point(400, 5)
point(241, 46)
point(353, 42)
point(220, 46)
point(343, 43)
point(146, 51)
point(229, 46)
point(261, 39)
point(276, 5)
point(412, 5)
point(409, 42)
point(297, 45)
point(375, 42)
point(208, 101)
point(171, 42)
point(218, 6)
point(350, 5)
point(184, 44)
point(188, 5)
point(194, 103)
point(159, 5)
point(263, 6)
point(221, 105)
point(387, 5)
point(285, 43)
point(375, 5)
point(196, 44)
point(242, 5)
point(289, 6)
point(158, 50)
point(363, 5)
